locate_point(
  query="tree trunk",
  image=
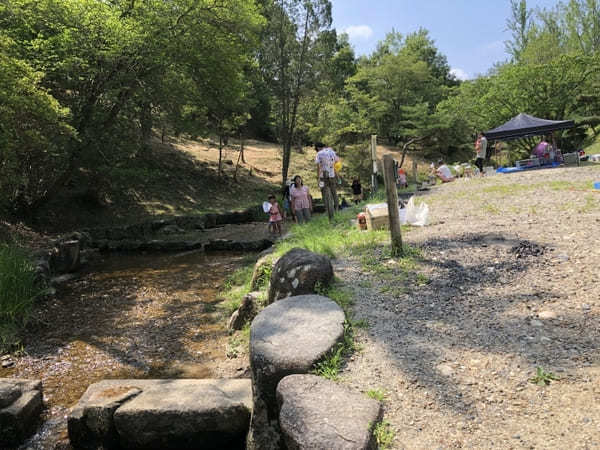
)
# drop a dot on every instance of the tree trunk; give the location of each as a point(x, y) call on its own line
point(242, 149)
point(237, 165)
point(287, 150)
point(220, 155)
point(146, 122)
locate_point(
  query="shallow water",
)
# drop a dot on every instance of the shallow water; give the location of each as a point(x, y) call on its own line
point(134, 316)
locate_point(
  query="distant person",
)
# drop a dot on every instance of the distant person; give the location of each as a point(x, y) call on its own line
point(326, 159)
point(287, 202)
point(357, 193)
point(274, 216)
point(480, 151)
point(344, 204)
point(402, 182)
point(301, 200)
point(443, 172)
point(432, 177)
point(541, 150)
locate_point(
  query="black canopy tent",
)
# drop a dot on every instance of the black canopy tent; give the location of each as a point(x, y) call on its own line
point(525, 125)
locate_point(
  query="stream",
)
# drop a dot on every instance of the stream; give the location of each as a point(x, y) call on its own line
point(130, 316)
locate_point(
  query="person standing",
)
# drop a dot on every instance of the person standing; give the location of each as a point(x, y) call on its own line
point(480, 150)
point(275, 218)
point(356, 191)
point(301, 200)
point(326, 159)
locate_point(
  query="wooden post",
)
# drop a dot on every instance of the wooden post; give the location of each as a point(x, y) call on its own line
point(374, 162)
point(392, 201)
point(414, 170)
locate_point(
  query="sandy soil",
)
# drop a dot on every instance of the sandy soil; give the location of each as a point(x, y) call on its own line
point(510, 281)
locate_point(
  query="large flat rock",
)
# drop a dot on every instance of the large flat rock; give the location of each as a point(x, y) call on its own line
point(90, 423)
point(162, 414)
point(318, 413)
point(287, 337)
point(20, 407)
point(186, 414)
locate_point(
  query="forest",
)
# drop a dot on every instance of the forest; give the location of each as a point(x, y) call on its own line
point(85, 84)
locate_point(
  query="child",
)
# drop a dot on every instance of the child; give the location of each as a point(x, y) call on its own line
point(402, 178)
point(274, 215)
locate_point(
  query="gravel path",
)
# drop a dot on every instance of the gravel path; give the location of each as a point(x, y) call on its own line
point(508, 282)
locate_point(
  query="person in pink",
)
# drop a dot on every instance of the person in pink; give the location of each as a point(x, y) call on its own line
point(301, 200)
point(275, 215)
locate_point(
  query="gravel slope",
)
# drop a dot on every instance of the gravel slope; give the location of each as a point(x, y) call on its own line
point(510, 281)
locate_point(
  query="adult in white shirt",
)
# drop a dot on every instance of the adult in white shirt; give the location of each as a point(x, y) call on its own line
point(326, 159)
point(443, 172)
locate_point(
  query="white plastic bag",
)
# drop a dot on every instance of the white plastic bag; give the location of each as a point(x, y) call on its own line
point(417, 216)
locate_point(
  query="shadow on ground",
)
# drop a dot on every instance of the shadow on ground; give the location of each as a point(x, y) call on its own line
point(480, 299)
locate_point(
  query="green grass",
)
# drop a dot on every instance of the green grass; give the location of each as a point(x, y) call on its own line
point(543, 378)
point(384, 434)
point(333, 239)
point(377, 394)
point(18, 292)
point(236, 286)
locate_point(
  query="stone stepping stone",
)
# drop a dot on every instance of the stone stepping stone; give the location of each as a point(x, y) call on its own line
point(287, 337)
point(20, 407)
point(297, 273)
point(318, 413)
point(162, 414)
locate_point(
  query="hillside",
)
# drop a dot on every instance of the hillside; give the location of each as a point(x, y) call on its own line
point(180, 177)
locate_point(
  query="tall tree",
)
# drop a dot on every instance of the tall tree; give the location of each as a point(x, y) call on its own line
point(297, 42)
point(519, 24)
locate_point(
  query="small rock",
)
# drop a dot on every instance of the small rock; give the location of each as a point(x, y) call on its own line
point(547, 314)
point(445, 370)
point(536, 323)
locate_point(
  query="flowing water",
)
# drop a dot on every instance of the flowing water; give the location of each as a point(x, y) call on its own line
point(133, 316)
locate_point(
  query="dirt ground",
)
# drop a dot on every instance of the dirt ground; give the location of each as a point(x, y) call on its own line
point(510, 281)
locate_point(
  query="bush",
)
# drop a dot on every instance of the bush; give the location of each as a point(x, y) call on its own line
point(18, 292)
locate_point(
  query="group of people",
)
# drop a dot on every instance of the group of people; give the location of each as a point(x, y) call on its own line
point(297, 200)
point(441, 171)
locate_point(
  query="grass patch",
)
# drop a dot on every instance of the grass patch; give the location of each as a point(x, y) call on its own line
point(330, 366)
point(18, 292)
point(384, 434)
point(590, 204)
point(491, 208)
point(235, 287)
point(238, 341)
point(333, 239)
point(377, 394)
point(338, 293)
point(543, 378)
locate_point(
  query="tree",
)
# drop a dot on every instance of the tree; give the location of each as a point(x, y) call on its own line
point(34, 130)
point(113, 64)
point(297, 41)
point(519, 25)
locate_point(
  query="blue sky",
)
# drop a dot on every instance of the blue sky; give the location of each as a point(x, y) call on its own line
point(471, 33)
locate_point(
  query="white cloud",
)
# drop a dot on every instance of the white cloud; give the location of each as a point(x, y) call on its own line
point(359, 31)
point(459, 74)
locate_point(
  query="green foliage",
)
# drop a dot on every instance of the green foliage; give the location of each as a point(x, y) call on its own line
point(543, 378)
point(377, 394)
point(338, 237)
point(33, 131)
point(384, 434)
point(330, 366)
point(18, 292)
point(105, 72)
point(236, 286)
